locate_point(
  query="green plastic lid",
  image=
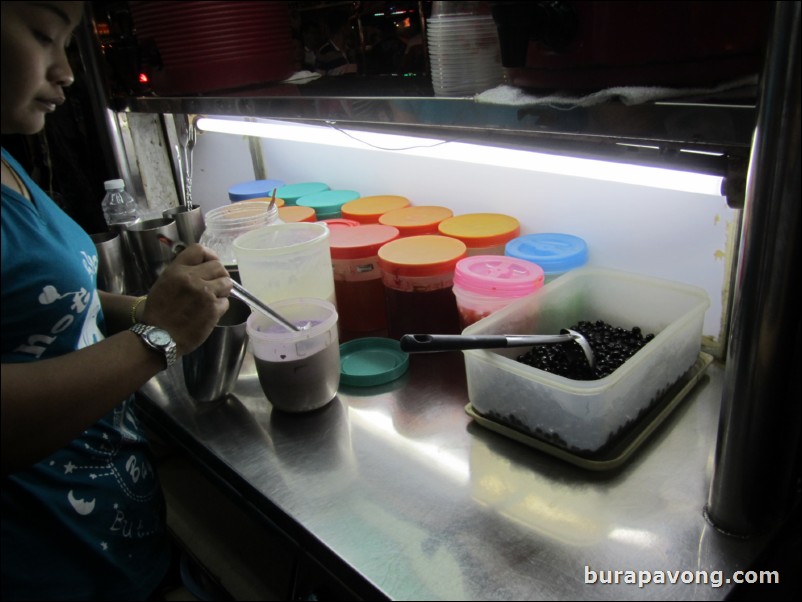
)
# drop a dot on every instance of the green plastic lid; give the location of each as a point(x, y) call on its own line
point(371, 361)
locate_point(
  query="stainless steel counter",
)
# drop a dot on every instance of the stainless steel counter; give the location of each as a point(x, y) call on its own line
point(397, 492)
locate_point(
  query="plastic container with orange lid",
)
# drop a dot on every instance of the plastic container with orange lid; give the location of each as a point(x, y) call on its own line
point(418, 276)
point(295, 213)
point(358, 279)
point(482, 233)
point(416, 220)
point(484, 284)
point(368, 209)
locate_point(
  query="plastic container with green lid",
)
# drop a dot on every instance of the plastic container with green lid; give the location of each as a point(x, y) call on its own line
point(482, 233)
point(418, 276)
point(358, 279)
point(253, 189)
point(417, 219)
point(554, 252)
point(368, 209)
point(484, 284)
point(292, 192)
point(328, 203)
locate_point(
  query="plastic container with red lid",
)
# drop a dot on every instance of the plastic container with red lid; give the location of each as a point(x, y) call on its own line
point(358, 279)
point(484, 284)
point(417, 219)
point(482, 233)
point(368, 209)
point(418, 276)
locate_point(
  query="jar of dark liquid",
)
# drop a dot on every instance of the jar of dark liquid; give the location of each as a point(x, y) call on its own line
point(418, 275)
point(358, 280)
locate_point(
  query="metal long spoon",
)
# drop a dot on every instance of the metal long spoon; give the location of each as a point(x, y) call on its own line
point(244, 295)
point(423, 343)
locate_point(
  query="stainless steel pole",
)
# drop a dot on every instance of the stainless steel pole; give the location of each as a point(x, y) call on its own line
point(756, 471)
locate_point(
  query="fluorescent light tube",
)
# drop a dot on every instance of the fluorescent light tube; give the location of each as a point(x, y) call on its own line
point(654, 177)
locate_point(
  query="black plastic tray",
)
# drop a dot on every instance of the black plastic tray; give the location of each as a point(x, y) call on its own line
point(621, 450)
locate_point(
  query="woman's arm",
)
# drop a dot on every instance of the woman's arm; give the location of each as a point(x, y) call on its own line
point(47, 403)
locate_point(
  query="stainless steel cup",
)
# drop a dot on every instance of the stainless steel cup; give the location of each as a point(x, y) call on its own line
point(189, 221)
point(111, 266)
point(152, 254)
point(211, 371)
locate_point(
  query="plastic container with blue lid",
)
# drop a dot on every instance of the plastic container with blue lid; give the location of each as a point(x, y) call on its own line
point(292, 192)
point(554, 252)
point(253, 189)
point(328, 203)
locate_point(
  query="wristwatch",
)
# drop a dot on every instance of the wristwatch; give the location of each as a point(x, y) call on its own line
point(158, 339)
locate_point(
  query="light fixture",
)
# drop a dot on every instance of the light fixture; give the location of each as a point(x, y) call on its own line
point(654, 177)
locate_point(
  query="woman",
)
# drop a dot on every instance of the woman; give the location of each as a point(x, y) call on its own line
point(83, 515)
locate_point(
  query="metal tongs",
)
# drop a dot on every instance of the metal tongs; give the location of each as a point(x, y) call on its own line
point(423, 343)
point(187, 136)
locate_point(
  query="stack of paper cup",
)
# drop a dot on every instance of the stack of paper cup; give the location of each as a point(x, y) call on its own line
point(464, 54)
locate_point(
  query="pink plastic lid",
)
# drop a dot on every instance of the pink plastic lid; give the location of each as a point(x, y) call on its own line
point(498, 275)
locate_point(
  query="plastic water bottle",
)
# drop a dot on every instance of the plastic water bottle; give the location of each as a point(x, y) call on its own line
point(119, 207)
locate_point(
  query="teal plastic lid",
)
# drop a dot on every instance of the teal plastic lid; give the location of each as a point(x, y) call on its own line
point(292, 192)
point(253, 189)
point(327, 204)
point(555, 253)
point(371, 361)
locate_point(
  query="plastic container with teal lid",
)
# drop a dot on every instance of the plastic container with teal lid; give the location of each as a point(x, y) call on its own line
point(253, 189)
point(554, 252)
point(328, 203)
point(358, 279)
point(368, 209)
point(484, 284)
point(482, 233)
point(418, 276)
point(292, 192)
point(417, 219)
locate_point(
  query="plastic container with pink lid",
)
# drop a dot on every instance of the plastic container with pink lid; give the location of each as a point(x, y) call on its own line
point(484, 284)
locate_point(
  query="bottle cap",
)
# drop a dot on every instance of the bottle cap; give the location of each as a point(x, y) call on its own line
point(479, 230)
point(555, 253)
point(498, 276)
point(114, 184)
point(328, 203)
point(253, 189)
point(420, 219)
point(424, 255)
point(360, 241)
point(292, 192)
point(371, 361)
point(369, 209)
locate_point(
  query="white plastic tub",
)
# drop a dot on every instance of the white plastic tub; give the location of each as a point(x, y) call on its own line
point(581, 416)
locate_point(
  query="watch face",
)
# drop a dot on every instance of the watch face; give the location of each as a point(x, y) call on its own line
point(159, 337)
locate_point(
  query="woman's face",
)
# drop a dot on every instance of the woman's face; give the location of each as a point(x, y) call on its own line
point(35, 36)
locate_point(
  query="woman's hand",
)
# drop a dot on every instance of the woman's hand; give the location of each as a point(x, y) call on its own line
point(189, 297)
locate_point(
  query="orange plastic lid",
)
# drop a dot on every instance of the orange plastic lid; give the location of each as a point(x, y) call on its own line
point(265, 199)
point(425, 255)
point(360, 241)
point(295, 213)
point(478, 230)
point(420, 219)
point(368, 209)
